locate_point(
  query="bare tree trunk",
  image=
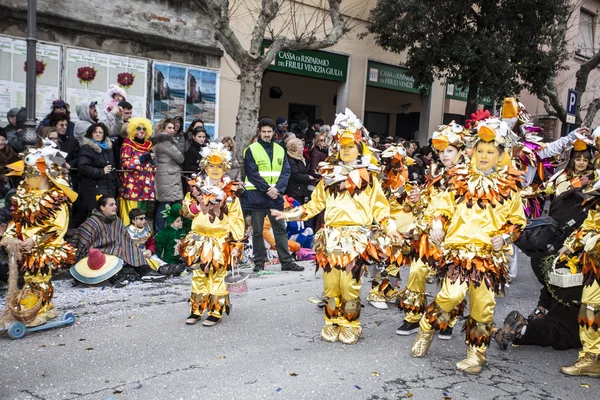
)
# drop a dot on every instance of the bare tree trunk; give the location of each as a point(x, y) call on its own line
point(472, 98)
point(592, 110)
point(247, 117)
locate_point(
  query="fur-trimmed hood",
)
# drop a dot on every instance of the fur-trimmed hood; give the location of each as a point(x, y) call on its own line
point(94, 146)
point(161, 138)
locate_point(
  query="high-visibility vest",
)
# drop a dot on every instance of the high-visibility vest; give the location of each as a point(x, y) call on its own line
point(267, 168)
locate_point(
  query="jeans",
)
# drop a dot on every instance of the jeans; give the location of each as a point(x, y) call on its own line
point(281, 239)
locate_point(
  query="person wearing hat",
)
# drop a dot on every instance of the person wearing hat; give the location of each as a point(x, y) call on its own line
point(214, 242)
point(11, 116)
point(59, 110)
point(281, 129)
point(96, 268)
point(352, 196)
point(87, 114)
point(39, 224)
point(478, 218)
point(167, 240)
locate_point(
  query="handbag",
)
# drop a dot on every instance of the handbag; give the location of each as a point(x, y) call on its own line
point(541, 237)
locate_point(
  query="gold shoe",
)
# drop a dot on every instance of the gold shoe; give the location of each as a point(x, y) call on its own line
point(330, 333)
point(421, 343)
point(350, 334)
point(392, 296)
point(588, 365)
point(474, 362)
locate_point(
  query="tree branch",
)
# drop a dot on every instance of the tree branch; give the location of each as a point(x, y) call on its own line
point(267, 14)
point(592, 110)
point(310, 42)
point(552, 103)
point(218, 10)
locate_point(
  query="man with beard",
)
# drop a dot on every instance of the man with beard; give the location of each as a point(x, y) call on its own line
point(88, 115)
point(59, 109)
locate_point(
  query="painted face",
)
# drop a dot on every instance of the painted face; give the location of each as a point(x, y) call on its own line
point(448, 156)
point(110, 209)
point(98, 134)
point(349, 152)
point(140, 221)
point(487, 155)
point(140, 132)
point(266, 134)
point(170, 128)
point(581, 164)
point(215, 171)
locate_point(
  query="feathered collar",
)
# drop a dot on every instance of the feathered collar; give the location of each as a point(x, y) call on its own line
point(339, 178)
point(36, 207)
point(213, 199)
point(474, 187)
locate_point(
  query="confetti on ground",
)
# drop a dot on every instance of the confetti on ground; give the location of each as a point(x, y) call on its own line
point(375, 373)
point(585, 385)
point(293, 374)
point(90, 348)
point(358, 387)
point(278, 390)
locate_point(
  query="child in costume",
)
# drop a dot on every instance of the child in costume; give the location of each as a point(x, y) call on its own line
point(167, 240)
point(481, 214)
point(39, 224)
point(215, 239)
point(585, 242)
point(116, 94)
point(137, 161)
point(351, 195)
point(449, 142)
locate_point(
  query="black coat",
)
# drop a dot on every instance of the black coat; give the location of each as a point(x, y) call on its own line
point(69, 145)
point(299, 179)
point(92, 180)
point(191, 159)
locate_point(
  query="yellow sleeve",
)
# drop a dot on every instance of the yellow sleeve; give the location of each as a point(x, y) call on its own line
point(445, 206)
point(380, 206)
point(236, 220)
point(591, 223)
point(516, 216)
point(317, 202)
point(433, 204)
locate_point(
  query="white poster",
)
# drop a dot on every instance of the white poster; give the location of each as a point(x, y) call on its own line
point(89, 75)
point(13, 67)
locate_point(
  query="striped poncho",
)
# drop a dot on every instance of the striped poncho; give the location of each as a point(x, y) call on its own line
point(110, 237)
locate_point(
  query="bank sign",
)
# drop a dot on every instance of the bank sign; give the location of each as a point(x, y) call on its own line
point(391, 77)
point(458, 91)
point(316, 64)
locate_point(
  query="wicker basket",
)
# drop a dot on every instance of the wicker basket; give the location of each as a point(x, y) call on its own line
point(563, 277)
point(236, 280)
point(21, 313)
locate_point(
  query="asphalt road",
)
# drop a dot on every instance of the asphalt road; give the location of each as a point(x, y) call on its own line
point(131, 343)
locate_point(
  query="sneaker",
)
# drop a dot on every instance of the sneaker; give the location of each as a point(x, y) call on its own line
point(445, 334)
point(408, 328)
point(380, 305)
point(512, 329)
point(192, 319)
point(258, 268)
point(292, 267)
point(211, 321)
point(153, 276)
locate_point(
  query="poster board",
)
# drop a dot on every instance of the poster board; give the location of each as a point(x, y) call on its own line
point(13, 57)
point(189, 92)
point(90, 74)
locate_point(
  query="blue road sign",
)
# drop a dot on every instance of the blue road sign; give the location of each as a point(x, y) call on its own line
point(572, 102)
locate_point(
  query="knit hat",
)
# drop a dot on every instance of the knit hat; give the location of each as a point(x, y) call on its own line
point(12, 112)
point(280, 121)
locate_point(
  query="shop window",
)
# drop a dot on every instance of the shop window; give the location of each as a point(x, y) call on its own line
point(407, 125)
point(585, 37)
point(299, 112)
point(377, 123)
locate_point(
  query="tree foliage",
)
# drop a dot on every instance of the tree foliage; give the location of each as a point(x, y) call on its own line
point(498, 47)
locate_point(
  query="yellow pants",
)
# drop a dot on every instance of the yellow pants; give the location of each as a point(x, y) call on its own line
point(443, 310)
point(127, 205)
point(42, 283)
point(412, 298)
point(590, 312)
point(343, 293)
point(209, 292)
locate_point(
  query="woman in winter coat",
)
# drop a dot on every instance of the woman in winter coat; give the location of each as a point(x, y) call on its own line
point(97, 167)
point(235, 172)
point(137, 163)
point(319, 150)
point(168, 172)
point(199, 139)
point(300, 177)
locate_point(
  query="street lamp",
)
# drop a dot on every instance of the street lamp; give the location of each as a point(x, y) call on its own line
point(30, 135)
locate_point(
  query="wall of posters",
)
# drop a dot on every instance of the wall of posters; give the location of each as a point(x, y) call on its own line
point(89, 75)
point(190, 92)
point(13, 56)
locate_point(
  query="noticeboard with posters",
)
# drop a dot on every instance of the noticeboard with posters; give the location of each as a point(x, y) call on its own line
point(89, 75)
point(13, 67)
point(188, 92)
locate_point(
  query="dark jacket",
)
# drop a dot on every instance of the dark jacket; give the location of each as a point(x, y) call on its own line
point(258, 199)
point(46, 122)
point(191, 160)
point(93, 181)
point(299, 179)
point(316, 156)
point(69, 145)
